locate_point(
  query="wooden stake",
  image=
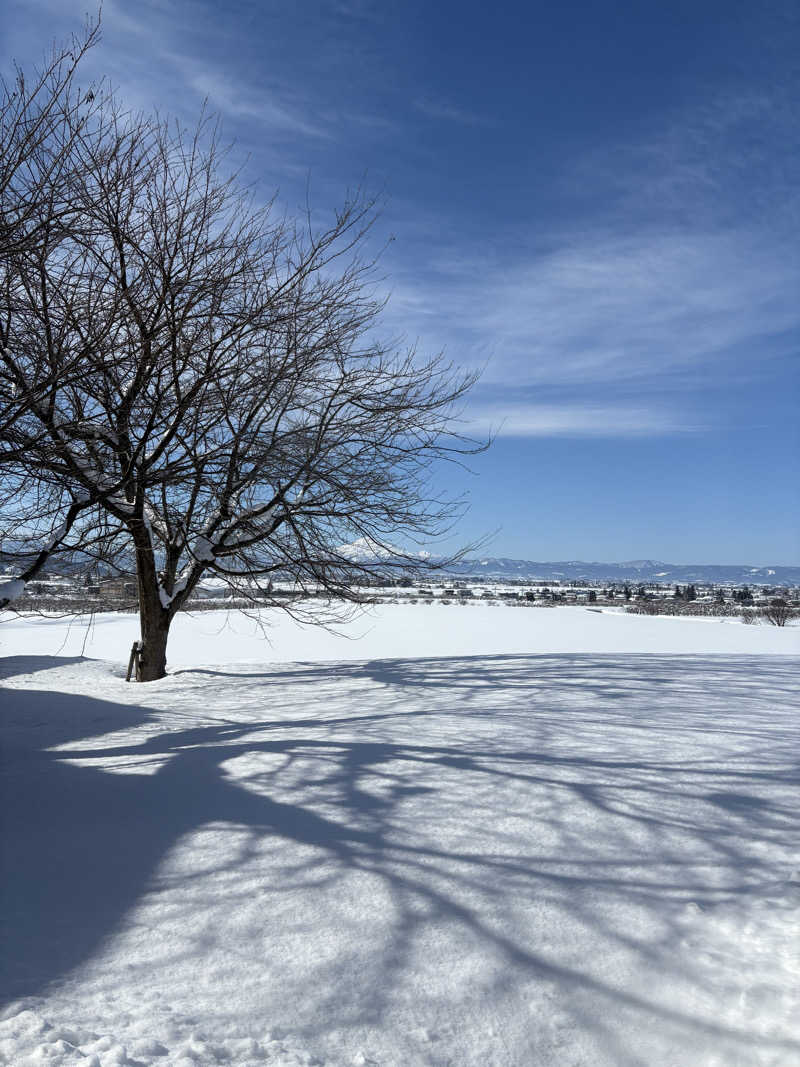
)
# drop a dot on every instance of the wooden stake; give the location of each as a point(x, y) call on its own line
point(135, 661)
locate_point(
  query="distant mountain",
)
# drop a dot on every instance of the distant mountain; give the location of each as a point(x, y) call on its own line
point(637, 570)
point(367, 553)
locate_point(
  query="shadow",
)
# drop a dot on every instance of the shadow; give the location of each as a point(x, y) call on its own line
point(736, 802)
point(12, 666)
point(77, 845)
point(612, 806)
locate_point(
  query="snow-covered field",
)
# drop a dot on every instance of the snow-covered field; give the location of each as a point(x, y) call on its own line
point(475, 837)
point(399, 631)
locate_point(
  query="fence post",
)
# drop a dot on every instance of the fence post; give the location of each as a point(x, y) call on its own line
point(135, 662)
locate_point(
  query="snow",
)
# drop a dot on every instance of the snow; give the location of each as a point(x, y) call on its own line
point(92, 428)
point(180, 584)
point(478, 836)
point(365, 550)
point(10, 591)
point(203, 549)
point(401, 630)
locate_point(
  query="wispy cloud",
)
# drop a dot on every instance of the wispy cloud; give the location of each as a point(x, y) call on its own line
point(446, 111)
point(575, 420)
point(731, 156)
point(275, 109)
point(357, 9)
point(608, 308)
point(678, 270)
point(147, 52)
point(669, 264)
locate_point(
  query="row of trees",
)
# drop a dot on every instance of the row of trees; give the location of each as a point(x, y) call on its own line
point(688, 593)
point(188, 381)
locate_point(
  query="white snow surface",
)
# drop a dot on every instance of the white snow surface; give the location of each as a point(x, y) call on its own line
point(456, 841)
point(11, 590)
point(398, 630)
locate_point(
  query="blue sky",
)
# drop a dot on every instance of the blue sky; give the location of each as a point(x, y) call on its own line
point(597, 202)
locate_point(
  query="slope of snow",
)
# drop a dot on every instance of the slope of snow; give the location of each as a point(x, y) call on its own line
point(473, 858)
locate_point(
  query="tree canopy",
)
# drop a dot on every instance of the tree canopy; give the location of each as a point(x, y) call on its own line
point(194, 383)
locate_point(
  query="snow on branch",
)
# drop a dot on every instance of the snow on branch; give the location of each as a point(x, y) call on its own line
point(11, 591)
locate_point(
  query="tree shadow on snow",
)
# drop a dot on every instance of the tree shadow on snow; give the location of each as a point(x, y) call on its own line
point(81, 846)
point(10, 666)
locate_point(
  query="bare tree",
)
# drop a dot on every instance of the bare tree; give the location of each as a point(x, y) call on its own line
point(41, 116)
point(778, 612)
point(216, 399)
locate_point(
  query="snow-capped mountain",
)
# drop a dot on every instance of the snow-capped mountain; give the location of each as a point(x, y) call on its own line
point(639, 570)
point(636, 570)
point(366, 551)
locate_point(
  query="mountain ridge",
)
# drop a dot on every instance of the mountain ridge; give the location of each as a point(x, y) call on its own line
point(630, 570)
point(368, 553)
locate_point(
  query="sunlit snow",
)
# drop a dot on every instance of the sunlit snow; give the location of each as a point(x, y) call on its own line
point(477, 836)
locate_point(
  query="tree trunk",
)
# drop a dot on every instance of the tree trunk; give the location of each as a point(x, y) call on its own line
point(154, 618)
point(155, 631)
